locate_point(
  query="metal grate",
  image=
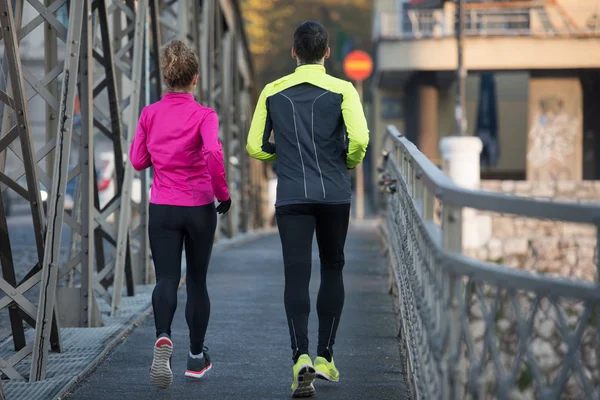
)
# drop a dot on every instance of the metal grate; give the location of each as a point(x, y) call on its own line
point(82, 347)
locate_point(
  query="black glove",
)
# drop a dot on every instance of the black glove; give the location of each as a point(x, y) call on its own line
point(223, 206)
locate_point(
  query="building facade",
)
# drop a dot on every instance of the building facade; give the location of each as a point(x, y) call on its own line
point(539, 61)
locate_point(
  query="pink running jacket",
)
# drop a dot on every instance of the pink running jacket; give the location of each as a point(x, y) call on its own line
point(180, 138)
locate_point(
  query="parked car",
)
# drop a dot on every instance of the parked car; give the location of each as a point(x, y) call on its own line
point(69, 196)
point(106, 179)
point(9, 197)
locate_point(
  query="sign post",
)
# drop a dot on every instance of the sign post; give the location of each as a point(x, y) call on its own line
point(358, 66)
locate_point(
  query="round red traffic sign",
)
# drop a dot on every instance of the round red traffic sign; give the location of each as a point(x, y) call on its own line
point(358, 65)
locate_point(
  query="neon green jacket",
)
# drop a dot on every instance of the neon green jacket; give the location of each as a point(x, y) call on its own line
point(320, 132)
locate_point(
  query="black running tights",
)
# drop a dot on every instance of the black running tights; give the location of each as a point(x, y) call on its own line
point(297, 225)
point(170, 228)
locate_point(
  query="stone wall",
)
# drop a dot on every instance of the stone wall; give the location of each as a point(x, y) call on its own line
point(543, 246)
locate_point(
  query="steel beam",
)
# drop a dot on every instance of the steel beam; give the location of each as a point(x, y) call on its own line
point(89, 315)
point(56, 205)
point(226, 114)
point(50, 62)
point(108, 123)
point(123, 238)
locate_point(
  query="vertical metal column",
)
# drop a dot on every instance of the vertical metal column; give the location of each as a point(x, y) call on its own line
point(6, 259)
point(183, 21)
point(239, 145)
point(207, 51)
point(245, 171)
point(57, 197)
point(226, 115)
point(5, 85)
point(89, 314)
point(197, 10)
point(461, 73)
point(215, 56)
point(134, 97)
point(156, 41)
point(75, 298)
point(108, 122)
point(155, 83)
point(50, 62)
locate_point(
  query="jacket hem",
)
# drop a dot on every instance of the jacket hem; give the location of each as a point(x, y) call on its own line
point(308, 201)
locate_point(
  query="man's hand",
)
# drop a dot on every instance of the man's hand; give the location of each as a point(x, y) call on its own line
point(224, 206)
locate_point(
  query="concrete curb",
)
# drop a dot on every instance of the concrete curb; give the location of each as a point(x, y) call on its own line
point(132, 324)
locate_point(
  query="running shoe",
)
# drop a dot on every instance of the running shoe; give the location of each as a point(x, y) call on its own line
point(197, 367)
point(304, 375)
point(326, 370)
point(160, 372)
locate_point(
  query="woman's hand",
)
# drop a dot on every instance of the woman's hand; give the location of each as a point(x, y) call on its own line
point(224, 206)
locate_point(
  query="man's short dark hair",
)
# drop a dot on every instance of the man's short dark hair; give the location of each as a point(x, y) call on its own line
point(310, 42)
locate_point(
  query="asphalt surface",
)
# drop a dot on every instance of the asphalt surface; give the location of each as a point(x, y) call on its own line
point(247, 336)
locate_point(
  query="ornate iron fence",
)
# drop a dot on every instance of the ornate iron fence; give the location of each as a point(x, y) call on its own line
point(472, 329)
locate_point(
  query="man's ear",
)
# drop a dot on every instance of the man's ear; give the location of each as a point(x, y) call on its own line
point(294, 53)
point(327, 53)
point(195, 80)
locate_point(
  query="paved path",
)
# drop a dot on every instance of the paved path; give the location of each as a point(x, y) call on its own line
point(248, 340)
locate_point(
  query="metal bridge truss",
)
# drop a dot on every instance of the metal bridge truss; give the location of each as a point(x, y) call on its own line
point(107, 55)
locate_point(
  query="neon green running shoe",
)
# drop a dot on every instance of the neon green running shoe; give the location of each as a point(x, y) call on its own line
point(326, 370)
point(304, 375)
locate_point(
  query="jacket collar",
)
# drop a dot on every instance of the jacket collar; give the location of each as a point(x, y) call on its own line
point(177, 95)
point(311, 67)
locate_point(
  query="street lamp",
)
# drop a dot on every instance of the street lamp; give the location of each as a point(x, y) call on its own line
point(461, 73)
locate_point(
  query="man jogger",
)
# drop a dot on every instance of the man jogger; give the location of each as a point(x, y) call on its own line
point(320, 133)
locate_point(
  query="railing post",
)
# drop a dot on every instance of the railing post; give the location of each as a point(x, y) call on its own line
point(597, 309)
point(598, 253)
point(452, 242)
point(415, 189)
point(428, 204)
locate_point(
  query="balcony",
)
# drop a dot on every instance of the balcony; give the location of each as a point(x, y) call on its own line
point(497, 37)
point(482, 20)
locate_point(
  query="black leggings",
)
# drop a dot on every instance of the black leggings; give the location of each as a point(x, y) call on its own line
point(297, 225)
point(169, 228)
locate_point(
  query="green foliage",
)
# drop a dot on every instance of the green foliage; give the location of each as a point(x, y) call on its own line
point(525, 378)
point(270, 26)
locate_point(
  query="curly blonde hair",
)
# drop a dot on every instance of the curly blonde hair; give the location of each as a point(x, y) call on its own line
point(179, 65)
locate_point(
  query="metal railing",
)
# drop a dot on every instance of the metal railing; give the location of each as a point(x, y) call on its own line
point(523, 21)
point(472, 329)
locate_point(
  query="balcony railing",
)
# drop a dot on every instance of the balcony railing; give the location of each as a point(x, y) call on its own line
point(544, 21)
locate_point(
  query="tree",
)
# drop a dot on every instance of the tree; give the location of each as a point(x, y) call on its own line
point(270, 26)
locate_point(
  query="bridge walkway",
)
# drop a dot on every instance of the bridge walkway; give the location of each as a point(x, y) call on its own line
point(247, 335)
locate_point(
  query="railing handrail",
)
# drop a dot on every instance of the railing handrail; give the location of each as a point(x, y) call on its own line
point(450, 193)
point(463, 321)
point(438, 23)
